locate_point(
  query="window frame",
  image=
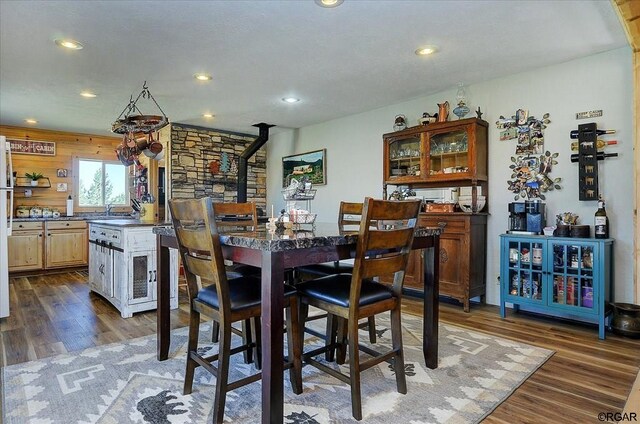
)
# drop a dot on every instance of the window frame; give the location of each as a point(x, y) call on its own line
point(76, 191)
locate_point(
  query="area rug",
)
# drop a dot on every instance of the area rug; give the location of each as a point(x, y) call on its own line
point(123, 383)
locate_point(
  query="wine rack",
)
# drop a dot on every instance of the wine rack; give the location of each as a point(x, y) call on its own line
point(588, 162)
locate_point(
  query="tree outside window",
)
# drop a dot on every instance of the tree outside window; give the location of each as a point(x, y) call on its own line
point(101, 183)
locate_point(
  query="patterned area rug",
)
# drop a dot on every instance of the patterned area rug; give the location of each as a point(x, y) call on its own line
point(123, 383)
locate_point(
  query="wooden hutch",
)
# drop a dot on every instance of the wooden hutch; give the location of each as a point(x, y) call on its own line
point(445, 155)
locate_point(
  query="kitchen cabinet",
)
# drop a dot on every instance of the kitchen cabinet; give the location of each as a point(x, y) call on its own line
point(558, 276)
point(25, 246)
point(66, 244)
point(445, 155)
point(122, 267)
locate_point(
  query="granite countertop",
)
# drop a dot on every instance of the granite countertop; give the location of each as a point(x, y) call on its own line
point(71, 218)
point(120, 223)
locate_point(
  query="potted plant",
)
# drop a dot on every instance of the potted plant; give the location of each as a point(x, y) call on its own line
point(34, 177)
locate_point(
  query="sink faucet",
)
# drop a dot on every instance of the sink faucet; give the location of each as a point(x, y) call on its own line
point(107, 209)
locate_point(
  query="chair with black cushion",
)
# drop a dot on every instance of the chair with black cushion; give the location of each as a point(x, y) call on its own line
point(349, 216)
point(382, 250)
point(225, 301)
point(240, 216)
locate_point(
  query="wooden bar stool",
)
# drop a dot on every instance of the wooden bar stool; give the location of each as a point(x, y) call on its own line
point(380, 251)
point(349, 216)
point(225, 301)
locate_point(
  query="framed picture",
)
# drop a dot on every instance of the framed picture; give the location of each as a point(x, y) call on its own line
point(311, 165)
point(62, 173)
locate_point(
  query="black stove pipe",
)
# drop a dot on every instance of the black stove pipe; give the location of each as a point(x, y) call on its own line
point(251, 150)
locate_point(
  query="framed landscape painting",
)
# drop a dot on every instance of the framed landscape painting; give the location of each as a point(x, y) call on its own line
point(311, 165)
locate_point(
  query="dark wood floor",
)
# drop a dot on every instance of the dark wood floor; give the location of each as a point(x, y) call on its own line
point(56, 313)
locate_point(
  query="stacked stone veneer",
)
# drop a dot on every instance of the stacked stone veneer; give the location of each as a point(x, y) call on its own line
point(192, 150)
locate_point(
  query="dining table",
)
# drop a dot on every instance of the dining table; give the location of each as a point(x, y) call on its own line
point(273, 252)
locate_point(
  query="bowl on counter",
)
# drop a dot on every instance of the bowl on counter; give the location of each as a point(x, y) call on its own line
point(465, 203)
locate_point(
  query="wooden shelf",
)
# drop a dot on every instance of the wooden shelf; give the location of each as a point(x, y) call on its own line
point(24, 182)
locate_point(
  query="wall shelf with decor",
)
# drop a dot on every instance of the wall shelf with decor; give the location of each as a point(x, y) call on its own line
point(446, 155)
point(25, 182)
point(558, 276)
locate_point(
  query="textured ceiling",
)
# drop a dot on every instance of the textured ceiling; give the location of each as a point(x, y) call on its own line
point(353, 58)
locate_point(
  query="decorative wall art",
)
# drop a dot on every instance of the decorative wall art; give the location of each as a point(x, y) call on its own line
point(61, 173)
point(310, 164)
point(532, 165)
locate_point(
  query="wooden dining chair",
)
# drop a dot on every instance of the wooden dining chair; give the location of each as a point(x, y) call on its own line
point(349, 216)
point(381, 250)
point(225, 301)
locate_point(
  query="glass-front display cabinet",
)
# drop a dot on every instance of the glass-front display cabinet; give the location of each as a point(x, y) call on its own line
point(437, 154)
point(568, 277)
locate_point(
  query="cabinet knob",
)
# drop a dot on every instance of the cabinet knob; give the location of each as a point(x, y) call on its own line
point(442, 224)
point(40, 235)
point(67, 224)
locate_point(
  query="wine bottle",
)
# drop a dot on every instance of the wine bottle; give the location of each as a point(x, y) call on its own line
point(574, 133)
point(601, 221)
point(600, 156)
point(600, 144)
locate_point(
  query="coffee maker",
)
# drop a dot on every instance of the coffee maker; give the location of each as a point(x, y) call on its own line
point(526, 217)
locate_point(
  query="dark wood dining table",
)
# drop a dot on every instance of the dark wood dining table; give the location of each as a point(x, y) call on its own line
point(273, 252)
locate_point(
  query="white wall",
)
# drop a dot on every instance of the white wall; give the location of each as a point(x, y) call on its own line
point(603, 81)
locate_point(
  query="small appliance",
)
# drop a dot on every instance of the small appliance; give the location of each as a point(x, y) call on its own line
point(526, 217)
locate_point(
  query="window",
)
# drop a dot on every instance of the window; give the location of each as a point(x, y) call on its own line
point(101, 183)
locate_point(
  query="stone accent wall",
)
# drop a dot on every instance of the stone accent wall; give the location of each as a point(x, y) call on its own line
point(192, 151)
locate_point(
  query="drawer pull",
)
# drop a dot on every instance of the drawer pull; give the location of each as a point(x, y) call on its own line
point(442, 224)
point(67, 224)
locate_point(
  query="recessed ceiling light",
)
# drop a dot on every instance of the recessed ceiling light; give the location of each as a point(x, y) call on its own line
point(290, 100)
point(31, 121)
point(69, 44)
point(88, 94)
point(207, 115)
point(202, 77)
point(329, 3)
point(426, 50)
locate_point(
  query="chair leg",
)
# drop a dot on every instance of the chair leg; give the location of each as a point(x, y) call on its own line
point(303, 314)
point(354, 370)
point(246, 340)
point(398, 360)
point(330, 338)
point(224, 353)
point(192, 346)
point(256, 334)
point(294, 346)
point(372, 328)
point(341, 329)
point(215, 331)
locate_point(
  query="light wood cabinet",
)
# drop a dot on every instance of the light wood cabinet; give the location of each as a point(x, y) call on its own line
point(25, 246)
point(36, 245)
point(66, 244)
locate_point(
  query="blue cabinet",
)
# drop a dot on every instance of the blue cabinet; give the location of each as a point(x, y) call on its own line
point(559, 276)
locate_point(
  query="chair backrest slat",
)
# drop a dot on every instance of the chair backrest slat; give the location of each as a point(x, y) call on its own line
point(349, 213)
point(384, 242)
point(236, 215)
point(390, 239)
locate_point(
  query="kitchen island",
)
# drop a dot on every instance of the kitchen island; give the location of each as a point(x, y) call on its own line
point(122, 264)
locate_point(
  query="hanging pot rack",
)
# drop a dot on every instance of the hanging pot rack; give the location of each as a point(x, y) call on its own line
point(137, 130)
point(128, 122)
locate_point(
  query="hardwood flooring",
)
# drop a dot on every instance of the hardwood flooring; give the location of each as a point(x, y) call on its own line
point(56, 313)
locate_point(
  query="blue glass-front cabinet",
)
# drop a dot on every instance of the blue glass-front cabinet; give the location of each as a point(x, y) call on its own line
point(559, 276)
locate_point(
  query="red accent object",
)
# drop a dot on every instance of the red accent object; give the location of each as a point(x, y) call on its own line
point(214, 167)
